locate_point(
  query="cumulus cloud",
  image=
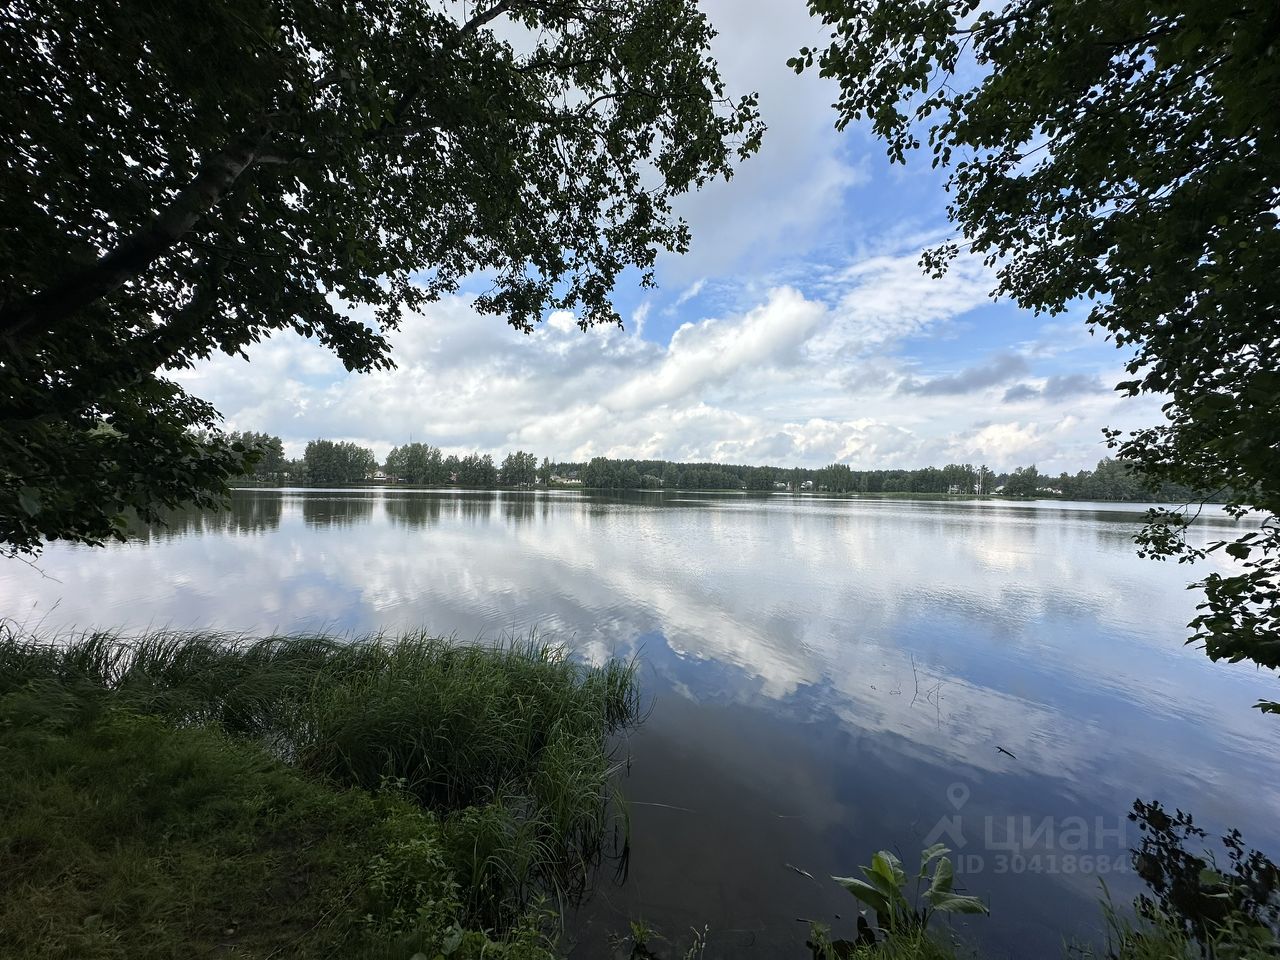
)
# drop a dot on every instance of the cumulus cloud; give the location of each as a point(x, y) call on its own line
point(1004, 443)
point(884, 298)
point(712, 351)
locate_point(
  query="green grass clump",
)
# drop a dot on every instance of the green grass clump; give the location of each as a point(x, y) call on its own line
point(123, 836)
point(1159, 936)
point(297, 792)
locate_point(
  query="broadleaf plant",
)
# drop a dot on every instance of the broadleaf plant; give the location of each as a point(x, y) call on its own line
point(885, 891)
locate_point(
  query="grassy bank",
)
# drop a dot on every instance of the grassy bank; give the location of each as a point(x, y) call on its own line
point(183, 795)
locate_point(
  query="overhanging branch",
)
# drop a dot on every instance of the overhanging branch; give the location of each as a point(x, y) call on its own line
point(53, 305)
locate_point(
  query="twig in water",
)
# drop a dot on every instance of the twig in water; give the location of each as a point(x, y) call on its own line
point(667, 806)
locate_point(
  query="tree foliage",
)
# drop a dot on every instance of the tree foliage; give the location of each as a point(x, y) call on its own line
point(836, 478)
point(1127, 152)
point(177, 185)
point(1023, 482)
point(417, 463)
point(328, 461)
point(519, 469)
point(475, 470)
point(266, 450)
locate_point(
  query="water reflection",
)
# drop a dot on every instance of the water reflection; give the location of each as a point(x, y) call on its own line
point(521, 507)
point(476, 508)
point(414, 511)
point(340, 510)
point(250, 512)
point(824, 672)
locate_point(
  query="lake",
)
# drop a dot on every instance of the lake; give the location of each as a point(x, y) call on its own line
point(826, 677)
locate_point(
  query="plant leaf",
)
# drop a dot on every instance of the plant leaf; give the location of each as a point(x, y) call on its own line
point(955, 903)
point(868, 894)
point(888, 865)
point(928, 854)
point(943, 877)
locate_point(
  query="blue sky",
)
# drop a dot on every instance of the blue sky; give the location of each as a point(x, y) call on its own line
point(798, 330)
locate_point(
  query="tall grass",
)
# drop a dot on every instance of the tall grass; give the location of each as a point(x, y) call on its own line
point(508, 744)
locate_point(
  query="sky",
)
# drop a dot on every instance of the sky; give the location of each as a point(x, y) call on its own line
point(798, 330)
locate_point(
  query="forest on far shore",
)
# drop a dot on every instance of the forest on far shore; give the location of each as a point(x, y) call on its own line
point(329, 461)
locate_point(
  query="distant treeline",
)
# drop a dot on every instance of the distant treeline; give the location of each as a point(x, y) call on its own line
point(1110, 480)
point(340, 461)
point(328, 461)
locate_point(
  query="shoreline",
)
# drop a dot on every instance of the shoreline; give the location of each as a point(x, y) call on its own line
point(751, 494)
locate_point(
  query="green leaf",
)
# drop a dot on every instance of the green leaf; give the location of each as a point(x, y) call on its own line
point(929, 853)
point(452, 940)
point(29, 499)
point(943, 878)
point(1210, 878)
point(868, 894)
point(955, 903)
point(888, 865)
point(1238, 550)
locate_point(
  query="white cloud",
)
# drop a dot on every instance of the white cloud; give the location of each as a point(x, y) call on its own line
point(794, 378)
point(689, 292)
point(713, 351)
point(562, 320)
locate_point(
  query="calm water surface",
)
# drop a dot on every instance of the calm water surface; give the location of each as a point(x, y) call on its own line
point(828, 677)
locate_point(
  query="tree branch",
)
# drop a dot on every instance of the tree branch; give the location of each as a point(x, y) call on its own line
point(410, 95)
point(47, 309)
point(53, 305)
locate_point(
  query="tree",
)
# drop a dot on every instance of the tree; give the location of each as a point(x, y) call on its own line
point(837, 478)
point(323, 169)
point(599, 472)
point(544, 472)
point(984, 480)
point(519, 469)
point(295, 471)
point(416, 463)
point(268, 452)
point(393, 466)
point(1114, 480)
point(1023, 482)
point(341, 462)
point(1127, 152)
point(474, 470)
